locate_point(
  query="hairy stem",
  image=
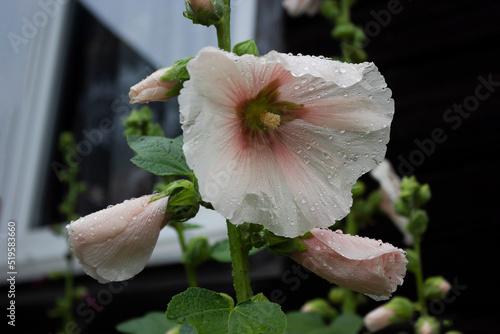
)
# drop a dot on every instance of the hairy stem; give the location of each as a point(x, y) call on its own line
point(239, 258)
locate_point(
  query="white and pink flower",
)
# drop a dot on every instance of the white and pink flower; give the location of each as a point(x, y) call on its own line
point(299, 7)
point(361, 264)
point(279, 140)
point(116, 243)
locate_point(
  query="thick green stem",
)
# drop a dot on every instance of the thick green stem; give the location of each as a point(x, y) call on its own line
point(190, 270)
point(239, 258)
point(223, 28)
point(419, 277)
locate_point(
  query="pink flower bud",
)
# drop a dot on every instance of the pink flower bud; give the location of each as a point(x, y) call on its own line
point(378, 319)
point(360, 264)
point(397, 310)
point(205, 4)
point(151, 88)
point(115, 244)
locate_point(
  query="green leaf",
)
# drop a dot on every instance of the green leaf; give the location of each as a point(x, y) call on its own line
point(303, 323)
point(159, 155)
point(150, 323)
point(257, 317)
point(246, 47)
point(205, 310)
point(211, 312)
point(346, 324)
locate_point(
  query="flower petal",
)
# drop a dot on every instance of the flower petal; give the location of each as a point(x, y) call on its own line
point(361, 264)
point(115, 244)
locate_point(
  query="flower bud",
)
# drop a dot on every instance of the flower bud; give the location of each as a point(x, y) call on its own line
point(152, 88)
point(398, 310)
point(337, 295)
point(204, 12)
point(116, 243)
point(321, 307)
point(205, 4)
point(360, 264)
point(427, 325)
point(436, 287)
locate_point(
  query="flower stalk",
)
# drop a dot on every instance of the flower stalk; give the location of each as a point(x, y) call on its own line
point(189, 269)
point(223, 28)
point(239, 257)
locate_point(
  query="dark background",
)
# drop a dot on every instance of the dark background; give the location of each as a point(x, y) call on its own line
point(432, 54)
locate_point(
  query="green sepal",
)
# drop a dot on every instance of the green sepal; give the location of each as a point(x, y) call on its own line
point(203, 16)
point(432, 288)
point(283, 246)
point(183, 200)
point(403, 309)
point(246, 48)
point(177, 71)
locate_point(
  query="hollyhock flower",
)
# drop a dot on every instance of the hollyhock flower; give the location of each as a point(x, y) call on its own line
point(115, 244)
point(360, 264)
point(390, 184)
point(151, 88)
point(279, 140)
point(299, 7)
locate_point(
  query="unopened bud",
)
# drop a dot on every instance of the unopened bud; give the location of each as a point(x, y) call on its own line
point(152, 88)
point(204, 12)
point(397, 310)
point(320, 306)
point(204, 4)
point(436, 287)
point(427, 325)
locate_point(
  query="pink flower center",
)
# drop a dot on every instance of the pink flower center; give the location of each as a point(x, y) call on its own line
point(265, 111)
